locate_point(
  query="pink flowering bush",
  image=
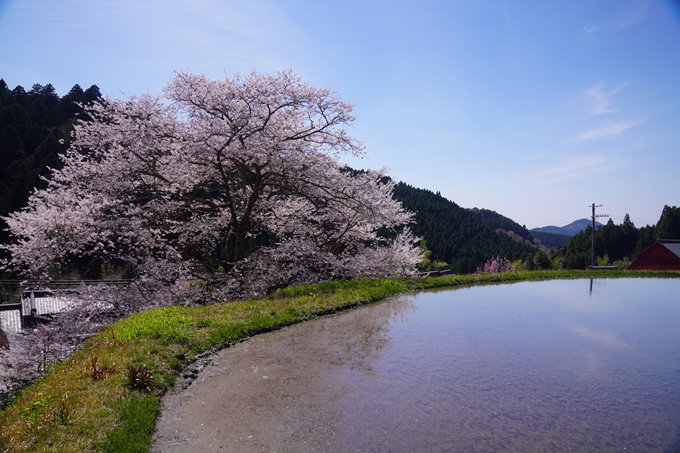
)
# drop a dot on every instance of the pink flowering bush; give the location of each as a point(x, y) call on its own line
point(496, 265)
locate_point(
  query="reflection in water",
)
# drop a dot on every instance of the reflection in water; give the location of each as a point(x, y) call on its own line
point(597, 283)
point(356, 339)
point(528, 367)
point(265, 393)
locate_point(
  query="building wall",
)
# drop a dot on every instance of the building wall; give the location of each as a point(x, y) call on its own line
point(656, 257)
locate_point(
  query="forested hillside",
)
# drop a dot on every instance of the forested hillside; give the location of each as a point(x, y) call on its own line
point(536, 238)
point(498, 221)
point(457, 235)
point(551, 240)
point(35, 128)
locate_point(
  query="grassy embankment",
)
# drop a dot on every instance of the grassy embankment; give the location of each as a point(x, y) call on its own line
point(107, 395)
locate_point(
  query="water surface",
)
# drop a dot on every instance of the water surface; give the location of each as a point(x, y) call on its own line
point(556, 366)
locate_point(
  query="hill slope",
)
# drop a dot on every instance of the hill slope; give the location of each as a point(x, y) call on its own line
point(551, 240)
point(455, 234)
point(508, 226)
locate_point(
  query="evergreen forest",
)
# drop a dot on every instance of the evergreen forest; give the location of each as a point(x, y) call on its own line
point(35, 128)
point(552, 240)
point(498, 221)
point(458, 236)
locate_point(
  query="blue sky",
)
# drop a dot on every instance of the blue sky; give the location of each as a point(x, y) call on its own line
point(534, 109)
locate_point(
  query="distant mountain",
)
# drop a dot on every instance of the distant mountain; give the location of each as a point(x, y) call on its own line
point(570, 230)
point(459, 236)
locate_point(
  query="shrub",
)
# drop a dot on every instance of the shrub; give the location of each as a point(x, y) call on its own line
point(496, 265)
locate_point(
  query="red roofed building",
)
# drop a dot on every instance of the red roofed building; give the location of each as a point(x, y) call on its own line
point(663, 255)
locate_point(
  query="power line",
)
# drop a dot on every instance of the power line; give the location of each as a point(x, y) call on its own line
point(634, 219)
point(628, 210)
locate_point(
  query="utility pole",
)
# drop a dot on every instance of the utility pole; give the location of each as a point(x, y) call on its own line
point(592, 239)
point(561, 249)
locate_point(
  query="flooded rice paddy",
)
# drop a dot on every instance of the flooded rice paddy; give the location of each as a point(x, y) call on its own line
point(556, 366)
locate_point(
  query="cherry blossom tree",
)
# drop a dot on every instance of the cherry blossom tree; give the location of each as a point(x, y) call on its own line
point(236, 183)
point(496, 265)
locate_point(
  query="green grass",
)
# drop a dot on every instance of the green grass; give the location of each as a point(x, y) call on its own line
point(137, 420)
point(69, 410)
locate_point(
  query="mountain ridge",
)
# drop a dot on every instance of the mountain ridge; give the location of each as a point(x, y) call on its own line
point(571, 229)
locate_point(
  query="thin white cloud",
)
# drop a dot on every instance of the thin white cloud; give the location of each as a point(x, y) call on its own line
point(630, 14)
point(633, 15)
point(603, 338)
point(614, 128)
point(576, 167)
point(600, 100)
point(588, 30)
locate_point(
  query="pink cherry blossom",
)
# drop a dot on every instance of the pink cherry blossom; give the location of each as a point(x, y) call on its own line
point(496, 265)
point(235, 182)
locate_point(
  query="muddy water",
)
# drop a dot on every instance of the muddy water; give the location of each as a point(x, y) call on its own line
point(558, 366)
